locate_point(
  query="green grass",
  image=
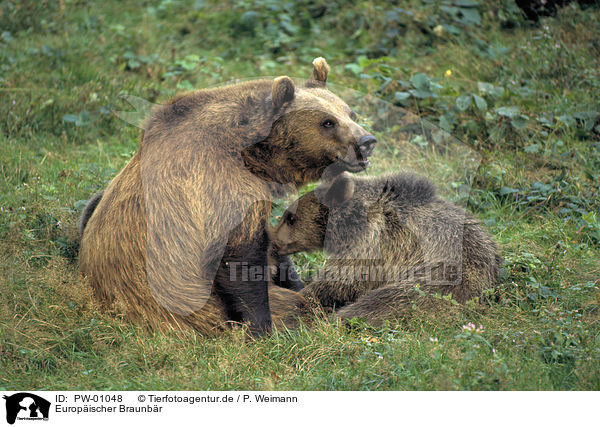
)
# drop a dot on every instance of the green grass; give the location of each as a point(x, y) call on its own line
point(65, 68)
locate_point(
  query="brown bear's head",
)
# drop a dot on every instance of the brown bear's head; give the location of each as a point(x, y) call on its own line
point(303, 226)
point(314, 131)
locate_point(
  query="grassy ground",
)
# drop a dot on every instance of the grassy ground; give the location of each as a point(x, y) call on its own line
point(523, 99)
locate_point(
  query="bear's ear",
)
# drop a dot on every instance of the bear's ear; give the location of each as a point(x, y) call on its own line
point(319, 73)
point(340, 190)
point(283, 91)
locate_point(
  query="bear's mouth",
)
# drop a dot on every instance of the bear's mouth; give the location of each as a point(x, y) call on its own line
point(356, 166)
point(356, 159)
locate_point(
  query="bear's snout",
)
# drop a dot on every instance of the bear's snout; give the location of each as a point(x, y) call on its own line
point(366, 143)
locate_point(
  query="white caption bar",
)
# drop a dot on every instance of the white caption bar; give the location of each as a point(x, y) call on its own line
point(149, 408)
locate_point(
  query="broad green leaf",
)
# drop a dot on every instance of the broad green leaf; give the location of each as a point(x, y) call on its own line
point(465, 3)
point(447, 121)
point(519, 122)
point(133, 64)
point(463, 102)
point(471, 15)
point(497, 50)
point(250, 19)
point(472, 126)
point(480, 102)
point(421, 93)
point(450, 10)
point(70, 118)
point(185, 85)
point(355, 68)
point(485, 88)
point(289, 27)
point(588, 118)
point(451, 29)
point(567, 119)
point(545, 121)
point(444, 124)
point(192, 58)
point(401, 96)
point(509, 112)
point(420, 81)
point(489, 89)
point(188, 66)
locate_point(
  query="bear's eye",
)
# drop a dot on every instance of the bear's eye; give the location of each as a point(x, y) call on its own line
point(353, 116)
point(291, 219)
point(328, 123)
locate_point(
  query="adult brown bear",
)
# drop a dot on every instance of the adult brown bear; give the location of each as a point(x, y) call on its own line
point(173, 237)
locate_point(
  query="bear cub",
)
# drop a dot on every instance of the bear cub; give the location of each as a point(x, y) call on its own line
point(384, 236)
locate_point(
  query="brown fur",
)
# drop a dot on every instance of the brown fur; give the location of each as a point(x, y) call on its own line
point(394, 220)
point(194, 200)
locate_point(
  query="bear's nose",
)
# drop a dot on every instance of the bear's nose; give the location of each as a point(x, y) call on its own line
point(366, 144)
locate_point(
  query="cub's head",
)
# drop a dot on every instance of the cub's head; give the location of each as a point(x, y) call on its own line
point(315, 130)
point(303, 225)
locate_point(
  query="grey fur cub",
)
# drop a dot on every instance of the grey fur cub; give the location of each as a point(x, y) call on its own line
point(384, 236)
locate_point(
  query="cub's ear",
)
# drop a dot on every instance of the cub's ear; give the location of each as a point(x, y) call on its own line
point(339, 191)
point(319, 73)
point(283, 91)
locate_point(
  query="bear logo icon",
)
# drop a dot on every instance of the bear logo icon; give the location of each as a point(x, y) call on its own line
point(26, 406)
